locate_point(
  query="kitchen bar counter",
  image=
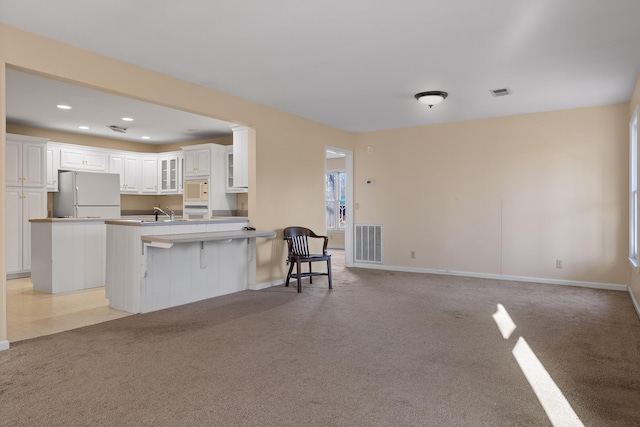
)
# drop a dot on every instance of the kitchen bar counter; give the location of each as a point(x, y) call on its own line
point(156, 265)
point(167, 241)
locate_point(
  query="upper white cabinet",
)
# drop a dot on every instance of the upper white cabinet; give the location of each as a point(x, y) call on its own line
point(197, 160)
point(149, 174)
point(170, 173)
point(229, 182)
point(53, 164)
point(83, 159)
point(240, 158)
point(127, 165)
point(26, 162)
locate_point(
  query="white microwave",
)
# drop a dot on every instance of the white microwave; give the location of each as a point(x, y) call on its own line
point(196, 191)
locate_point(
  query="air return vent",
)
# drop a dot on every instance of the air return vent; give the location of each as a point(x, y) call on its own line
point(118, 129)
point(500, 92)
point(368, 243)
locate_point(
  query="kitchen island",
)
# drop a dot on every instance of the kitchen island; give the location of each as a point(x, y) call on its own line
point(152, 265)
point(67, 254)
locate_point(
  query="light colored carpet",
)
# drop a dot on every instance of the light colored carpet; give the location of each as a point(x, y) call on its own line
point(380, 349)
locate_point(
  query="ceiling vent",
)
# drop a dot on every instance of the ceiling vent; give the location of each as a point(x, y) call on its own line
point(500, 92)
point(118, 129)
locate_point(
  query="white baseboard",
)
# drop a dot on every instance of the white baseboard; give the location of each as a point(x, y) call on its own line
point(635, 302)
point(4, 345)
point(266, 285)
point(594, 285)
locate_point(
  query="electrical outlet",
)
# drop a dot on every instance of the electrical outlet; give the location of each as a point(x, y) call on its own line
point(558, 263)
point(413, 255)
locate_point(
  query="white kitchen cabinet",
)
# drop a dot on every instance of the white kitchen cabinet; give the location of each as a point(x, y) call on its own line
point(197, 160)
point(170, 173)
point(25, 163)
point(149, 182)
point(127, 165)
point(26, 197)
point(83, 159)
point(53, 165)
point(240, 156)
point(229, 182)
point(68, 254)
point(22, 205)
point(219, 202)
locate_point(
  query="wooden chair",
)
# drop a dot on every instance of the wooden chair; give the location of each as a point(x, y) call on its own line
point(297, 239)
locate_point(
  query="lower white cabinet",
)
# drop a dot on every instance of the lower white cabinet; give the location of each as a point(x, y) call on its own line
point(70, 254)
point(22, 204)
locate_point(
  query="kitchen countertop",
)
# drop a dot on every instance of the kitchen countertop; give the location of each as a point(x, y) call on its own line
point(67, 219)
point(146, 220)
point(151, 222)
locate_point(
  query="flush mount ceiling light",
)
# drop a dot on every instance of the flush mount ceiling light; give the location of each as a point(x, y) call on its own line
point(63, 107)
point(432, 97)
point(127, 119)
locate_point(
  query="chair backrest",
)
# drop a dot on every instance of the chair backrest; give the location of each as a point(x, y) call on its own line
point(298, 240)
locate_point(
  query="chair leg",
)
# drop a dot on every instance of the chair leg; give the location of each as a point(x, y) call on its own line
point(289, 273)
point(329, 271)
point(310, 275)
point(299, 270)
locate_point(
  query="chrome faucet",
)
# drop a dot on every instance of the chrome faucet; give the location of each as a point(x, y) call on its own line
point(171, 214)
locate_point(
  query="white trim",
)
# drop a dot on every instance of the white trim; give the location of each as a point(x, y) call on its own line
point(593, 285)
point(634, 301)
point(4, 345)
point(266, 285)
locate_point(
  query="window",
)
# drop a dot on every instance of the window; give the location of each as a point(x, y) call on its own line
point(633, 190)
point(335, 206)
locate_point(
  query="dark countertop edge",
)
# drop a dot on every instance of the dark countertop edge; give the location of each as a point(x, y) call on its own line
point(179, 222)
point(67, 220)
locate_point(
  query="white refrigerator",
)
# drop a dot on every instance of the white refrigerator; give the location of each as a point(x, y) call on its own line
point(87, 195)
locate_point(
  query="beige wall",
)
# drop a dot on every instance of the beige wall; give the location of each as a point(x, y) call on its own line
point(634, 274)
point(502, 196)
point(286, 153)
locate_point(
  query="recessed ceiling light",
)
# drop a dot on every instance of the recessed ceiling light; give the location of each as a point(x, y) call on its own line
point(63, 107)
point(146, 137)
point(127, 119)
point(83, 127)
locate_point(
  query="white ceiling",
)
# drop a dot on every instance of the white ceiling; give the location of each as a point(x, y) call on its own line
point(355, 65)
point(32, 101)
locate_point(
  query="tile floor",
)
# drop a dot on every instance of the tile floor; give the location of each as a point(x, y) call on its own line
point(32, 314)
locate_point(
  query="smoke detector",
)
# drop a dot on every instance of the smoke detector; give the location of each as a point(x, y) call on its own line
point(118, 129)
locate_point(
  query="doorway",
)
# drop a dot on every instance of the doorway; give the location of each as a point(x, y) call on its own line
point(339, 200)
